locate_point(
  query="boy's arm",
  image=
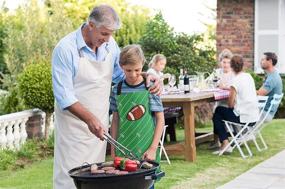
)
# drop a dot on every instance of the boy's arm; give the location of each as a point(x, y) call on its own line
point(150, 154)
point(159, 116)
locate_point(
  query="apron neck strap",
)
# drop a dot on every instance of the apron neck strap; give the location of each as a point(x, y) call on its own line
point(119, 88)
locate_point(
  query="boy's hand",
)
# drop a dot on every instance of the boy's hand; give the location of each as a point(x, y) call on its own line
point(150, 154)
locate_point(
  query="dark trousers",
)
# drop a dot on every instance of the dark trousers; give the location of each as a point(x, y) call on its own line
point(223, 113)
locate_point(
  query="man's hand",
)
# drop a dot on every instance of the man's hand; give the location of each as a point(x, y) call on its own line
point(155, 88)
point(95, 126)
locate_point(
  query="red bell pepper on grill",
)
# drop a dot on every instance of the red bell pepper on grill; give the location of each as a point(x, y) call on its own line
point(125, 164)
point(129, 165)
point(117, 161)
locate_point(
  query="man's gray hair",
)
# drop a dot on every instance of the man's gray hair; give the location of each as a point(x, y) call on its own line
point(105, 15)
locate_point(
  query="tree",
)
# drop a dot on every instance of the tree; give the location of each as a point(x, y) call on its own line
point(32, 33)
point(181, 50)
point(159, 37)
point(3, 67)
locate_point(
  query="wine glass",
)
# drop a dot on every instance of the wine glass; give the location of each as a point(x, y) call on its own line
point(172, 81)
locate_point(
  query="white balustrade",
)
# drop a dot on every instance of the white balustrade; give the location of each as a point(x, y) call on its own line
point(13, 128)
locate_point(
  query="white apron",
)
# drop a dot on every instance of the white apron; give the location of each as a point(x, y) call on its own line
point(74, 143)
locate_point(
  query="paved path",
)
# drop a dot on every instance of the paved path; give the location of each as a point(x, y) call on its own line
point(269, 174)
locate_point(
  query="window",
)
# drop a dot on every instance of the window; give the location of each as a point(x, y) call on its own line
point(269, 31)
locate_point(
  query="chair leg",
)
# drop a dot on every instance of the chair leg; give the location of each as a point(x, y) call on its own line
point(247, 148)
point(161, 145)
point(162, 139)
point(263, 142)
point(165, 154)
point(257, 146)
point(234, 140)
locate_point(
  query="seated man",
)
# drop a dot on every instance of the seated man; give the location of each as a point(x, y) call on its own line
point(272, 84)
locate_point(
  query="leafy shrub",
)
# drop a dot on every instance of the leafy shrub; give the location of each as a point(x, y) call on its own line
point(35, 86)
point(258, 79)
point(50, 141)
point(7, 159)
point(28, 150)
point(11, 102)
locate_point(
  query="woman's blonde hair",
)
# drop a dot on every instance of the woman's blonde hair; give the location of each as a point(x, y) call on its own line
point(156, 58)
point(226, 53)
point(132, 54)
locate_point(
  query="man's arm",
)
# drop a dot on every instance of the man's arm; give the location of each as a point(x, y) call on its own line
point(62, 78)
point(262, 92)
point(94, 125)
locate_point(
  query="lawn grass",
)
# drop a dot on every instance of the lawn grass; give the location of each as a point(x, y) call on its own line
point(35, 176)
point(209, 171)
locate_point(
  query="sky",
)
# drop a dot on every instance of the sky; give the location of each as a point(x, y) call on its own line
point(185, 16)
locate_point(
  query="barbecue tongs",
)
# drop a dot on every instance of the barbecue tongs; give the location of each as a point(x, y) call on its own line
point(127, 153)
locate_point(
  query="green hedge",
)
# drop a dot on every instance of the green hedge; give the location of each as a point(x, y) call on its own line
point(35, 86)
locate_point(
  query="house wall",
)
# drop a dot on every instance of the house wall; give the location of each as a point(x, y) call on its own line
point(235, 28)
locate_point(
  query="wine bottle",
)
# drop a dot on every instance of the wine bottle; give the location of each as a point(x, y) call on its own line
point(186, 82)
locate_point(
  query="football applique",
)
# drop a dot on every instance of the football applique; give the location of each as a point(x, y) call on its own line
point(136, 113)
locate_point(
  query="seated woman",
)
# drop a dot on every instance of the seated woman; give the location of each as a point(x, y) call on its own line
point(225, 81)
point(227, 74)
point(242, 103)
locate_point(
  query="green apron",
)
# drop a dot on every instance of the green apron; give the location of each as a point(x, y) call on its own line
point(136, 124)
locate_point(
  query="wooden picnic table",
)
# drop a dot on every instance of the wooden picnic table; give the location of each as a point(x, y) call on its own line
point(188, 102)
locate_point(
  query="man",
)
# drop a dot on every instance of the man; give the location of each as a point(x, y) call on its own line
point(273, 82)
point(84, 64)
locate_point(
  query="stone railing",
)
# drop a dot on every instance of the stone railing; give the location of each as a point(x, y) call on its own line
point(13, 128)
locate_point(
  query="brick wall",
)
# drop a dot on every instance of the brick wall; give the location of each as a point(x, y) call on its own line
point(235, 28)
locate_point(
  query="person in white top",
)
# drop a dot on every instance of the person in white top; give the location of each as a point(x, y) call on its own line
point(225, 80)
point(242, 103)
point(157, 65)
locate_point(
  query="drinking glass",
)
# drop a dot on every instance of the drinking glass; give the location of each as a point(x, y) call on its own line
point(172, 81)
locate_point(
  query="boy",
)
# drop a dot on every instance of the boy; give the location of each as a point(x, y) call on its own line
point(138, 118)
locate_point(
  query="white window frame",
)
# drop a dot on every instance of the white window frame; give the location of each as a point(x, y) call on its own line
point(280, 32)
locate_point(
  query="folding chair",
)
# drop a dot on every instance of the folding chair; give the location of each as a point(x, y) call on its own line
point(162, 146)
point(246, 133)
point(256, 131)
